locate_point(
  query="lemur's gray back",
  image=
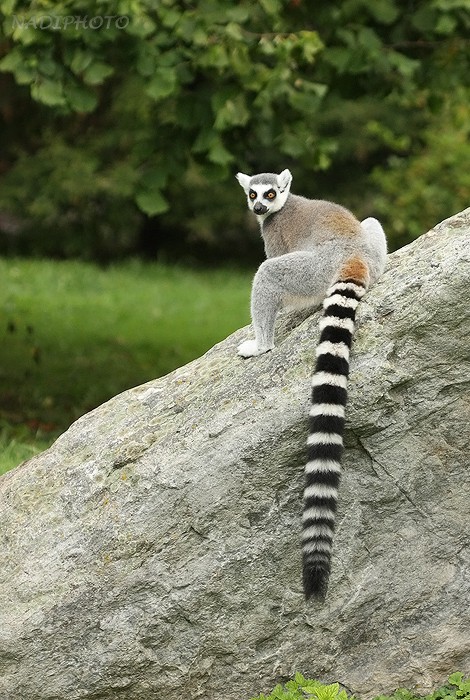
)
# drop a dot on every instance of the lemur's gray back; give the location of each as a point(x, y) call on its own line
point(316, 250)
point(303, 223)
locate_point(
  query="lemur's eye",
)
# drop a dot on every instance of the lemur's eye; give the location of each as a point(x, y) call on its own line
point(271, 194)
point(252, 194)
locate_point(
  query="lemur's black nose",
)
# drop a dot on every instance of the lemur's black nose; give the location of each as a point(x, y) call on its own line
point(260, 208)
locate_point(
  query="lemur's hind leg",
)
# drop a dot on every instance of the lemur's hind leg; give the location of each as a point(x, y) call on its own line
point(298, 274)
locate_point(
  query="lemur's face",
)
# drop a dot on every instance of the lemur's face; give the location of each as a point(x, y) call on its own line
point(267, 192)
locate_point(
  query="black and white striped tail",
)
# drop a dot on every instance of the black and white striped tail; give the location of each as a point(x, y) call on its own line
point(325, 441)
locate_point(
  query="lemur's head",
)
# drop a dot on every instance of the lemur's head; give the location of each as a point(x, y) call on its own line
point(266, 192)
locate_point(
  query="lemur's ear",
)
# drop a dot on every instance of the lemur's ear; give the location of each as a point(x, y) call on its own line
point(244, 180)
point(284, 179)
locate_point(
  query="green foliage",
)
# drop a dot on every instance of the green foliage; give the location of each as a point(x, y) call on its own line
point(302, 689)
point(140, 95)
point(458, 686)
point(77, 193)
point(457, 689)
point(432, 178)
point(219, 48)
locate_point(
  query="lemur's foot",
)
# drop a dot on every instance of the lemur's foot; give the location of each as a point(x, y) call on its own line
point(250, 349)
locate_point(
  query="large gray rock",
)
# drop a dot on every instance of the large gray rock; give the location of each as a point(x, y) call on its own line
point(153, 550)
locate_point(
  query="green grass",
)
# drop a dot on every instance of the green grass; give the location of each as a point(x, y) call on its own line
point(19, 443)
point(73, 335)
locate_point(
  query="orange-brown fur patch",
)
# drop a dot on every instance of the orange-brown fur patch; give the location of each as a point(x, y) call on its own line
point(355, 269)
point(344, 223)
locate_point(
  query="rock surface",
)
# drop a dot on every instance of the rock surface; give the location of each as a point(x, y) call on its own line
point(153, 551)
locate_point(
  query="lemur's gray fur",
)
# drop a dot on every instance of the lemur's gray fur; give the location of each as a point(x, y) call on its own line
point(316, 251)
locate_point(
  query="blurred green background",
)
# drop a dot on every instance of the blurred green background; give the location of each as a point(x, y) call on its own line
point(122, 126)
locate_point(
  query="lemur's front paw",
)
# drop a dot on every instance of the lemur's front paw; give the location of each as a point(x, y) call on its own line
point(250, 349)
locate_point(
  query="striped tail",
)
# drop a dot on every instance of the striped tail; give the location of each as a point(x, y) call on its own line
point(325, 442)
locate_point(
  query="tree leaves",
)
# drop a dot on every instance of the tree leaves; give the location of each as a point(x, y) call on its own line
point(163, 83)
point(49, 93)
point(96, 73)
point(151, 202)
point(218, 83)
point(230, 109)
point(149, 197)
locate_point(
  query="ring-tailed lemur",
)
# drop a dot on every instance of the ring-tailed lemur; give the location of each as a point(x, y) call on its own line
point(316, 251)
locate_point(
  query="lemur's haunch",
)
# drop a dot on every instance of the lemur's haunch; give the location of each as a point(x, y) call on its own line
point(316, 251)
